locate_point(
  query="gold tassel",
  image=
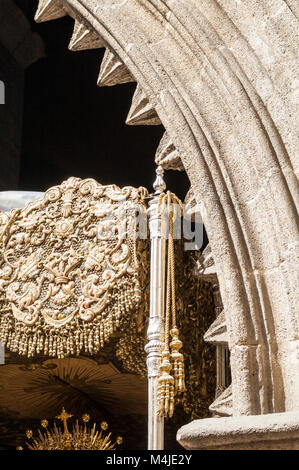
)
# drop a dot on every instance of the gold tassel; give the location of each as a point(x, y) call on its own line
point(177, 359)
point(169, 385)
point(165, 390)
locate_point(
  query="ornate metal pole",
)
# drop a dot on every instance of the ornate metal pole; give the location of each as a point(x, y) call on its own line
point(155, 328)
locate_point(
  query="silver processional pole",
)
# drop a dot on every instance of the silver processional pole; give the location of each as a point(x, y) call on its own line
point(157, 227)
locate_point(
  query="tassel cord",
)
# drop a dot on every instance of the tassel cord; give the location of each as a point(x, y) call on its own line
point(171, 374)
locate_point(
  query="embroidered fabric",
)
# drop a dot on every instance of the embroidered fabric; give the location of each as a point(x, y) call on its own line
point(69, 270)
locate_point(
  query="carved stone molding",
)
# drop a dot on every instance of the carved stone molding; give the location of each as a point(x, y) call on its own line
point(205, 266)
point(223, 405)
point(49, 10)
point(82, 38)
point(142, 112)
point(167, 155)
point(113, 71)
point(217, 333)
point(276, 431)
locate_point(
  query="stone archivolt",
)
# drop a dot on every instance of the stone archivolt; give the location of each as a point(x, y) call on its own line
point(83, 38)
point(113, 71)
point(221, 77)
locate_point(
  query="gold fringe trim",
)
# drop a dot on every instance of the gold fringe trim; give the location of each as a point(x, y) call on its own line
point(73, 338)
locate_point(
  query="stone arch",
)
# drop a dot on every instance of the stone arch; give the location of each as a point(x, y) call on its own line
point(220, 76)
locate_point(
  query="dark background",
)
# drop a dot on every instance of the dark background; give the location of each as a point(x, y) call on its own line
point(72, 127)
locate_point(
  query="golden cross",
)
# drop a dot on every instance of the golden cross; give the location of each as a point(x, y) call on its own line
point(64, 416)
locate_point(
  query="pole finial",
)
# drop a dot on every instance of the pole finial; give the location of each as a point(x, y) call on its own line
point(159, 184)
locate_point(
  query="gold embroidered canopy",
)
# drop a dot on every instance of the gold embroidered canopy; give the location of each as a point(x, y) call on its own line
point(69, 270)
point(75, 275)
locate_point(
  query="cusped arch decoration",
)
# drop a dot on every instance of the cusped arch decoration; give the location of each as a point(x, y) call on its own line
point(220, 76)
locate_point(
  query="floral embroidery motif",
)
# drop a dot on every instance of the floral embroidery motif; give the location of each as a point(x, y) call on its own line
point(69, 268)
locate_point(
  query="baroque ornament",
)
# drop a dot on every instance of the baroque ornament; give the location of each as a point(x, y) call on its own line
point(80, 438)
point(69, 270)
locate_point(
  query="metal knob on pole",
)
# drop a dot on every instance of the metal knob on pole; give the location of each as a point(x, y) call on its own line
point(158, 234)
